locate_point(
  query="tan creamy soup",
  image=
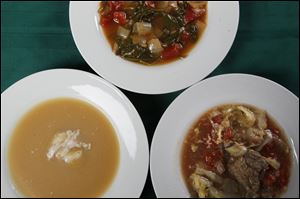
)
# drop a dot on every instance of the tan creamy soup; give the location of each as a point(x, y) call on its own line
point(63, 148)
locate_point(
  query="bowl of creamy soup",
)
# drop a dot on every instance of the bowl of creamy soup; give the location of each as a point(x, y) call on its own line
point(76, 137)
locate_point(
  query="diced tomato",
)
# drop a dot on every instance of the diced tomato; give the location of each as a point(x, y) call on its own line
point(193, 14)
point(150, 4)
point(105, 20)
point(283, 177)
point(269, 180)
point(185, 36)
point(228, 134)
point(206, 128)
point(172, 51)
point(120, 17)
point(217, 119)
point(115, 5)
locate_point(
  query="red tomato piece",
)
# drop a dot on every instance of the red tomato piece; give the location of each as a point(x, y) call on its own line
point(193, 14)
point(150, 4)
point(185, 36)
point(115, 5)
point(172, 51)
point(217, 119)
point(228, 134)
point(120, 17)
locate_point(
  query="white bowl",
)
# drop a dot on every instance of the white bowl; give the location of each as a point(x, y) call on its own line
point(223, 18)
point(167, 142)
point(134, 153)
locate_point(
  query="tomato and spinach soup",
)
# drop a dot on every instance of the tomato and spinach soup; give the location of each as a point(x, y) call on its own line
point(153, 32)
point(236, 151)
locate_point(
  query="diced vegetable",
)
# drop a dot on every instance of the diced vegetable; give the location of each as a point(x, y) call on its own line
point(228, 134)
point(173, 4)
point(142, 28)
point(236, 150)
point(193, 14)
point(155, 46)
point(115, 5)
point(261, 119)
point(209, 174)
point(123, 32)
point(217, 119)
point(150, 4)
point(172, 51)
point(185, 36)
point(120, 17)
point(134, 52)
point(140, 40)
point(242, 114)
point(249, 117)
point(200, 185)
point(272, 162)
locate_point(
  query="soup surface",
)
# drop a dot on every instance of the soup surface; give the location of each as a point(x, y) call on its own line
point(63, 148)
point(236, 151)
point(153, 32)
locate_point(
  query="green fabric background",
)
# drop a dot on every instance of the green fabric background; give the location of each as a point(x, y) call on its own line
point(36, 36)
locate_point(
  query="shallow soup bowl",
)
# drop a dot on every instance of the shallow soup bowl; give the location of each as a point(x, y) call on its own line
point(185, 110)
point(208, 53)
point(18, 99)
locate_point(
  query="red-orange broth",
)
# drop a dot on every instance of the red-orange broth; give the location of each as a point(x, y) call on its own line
point(272, 182)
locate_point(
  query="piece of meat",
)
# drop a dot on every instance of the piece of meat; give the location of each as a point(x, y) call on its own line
point(248, 170)
point(268, 192)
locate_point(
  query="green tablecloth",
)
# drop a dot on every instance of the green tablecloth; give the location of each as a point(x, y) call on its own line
point(36, 36)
